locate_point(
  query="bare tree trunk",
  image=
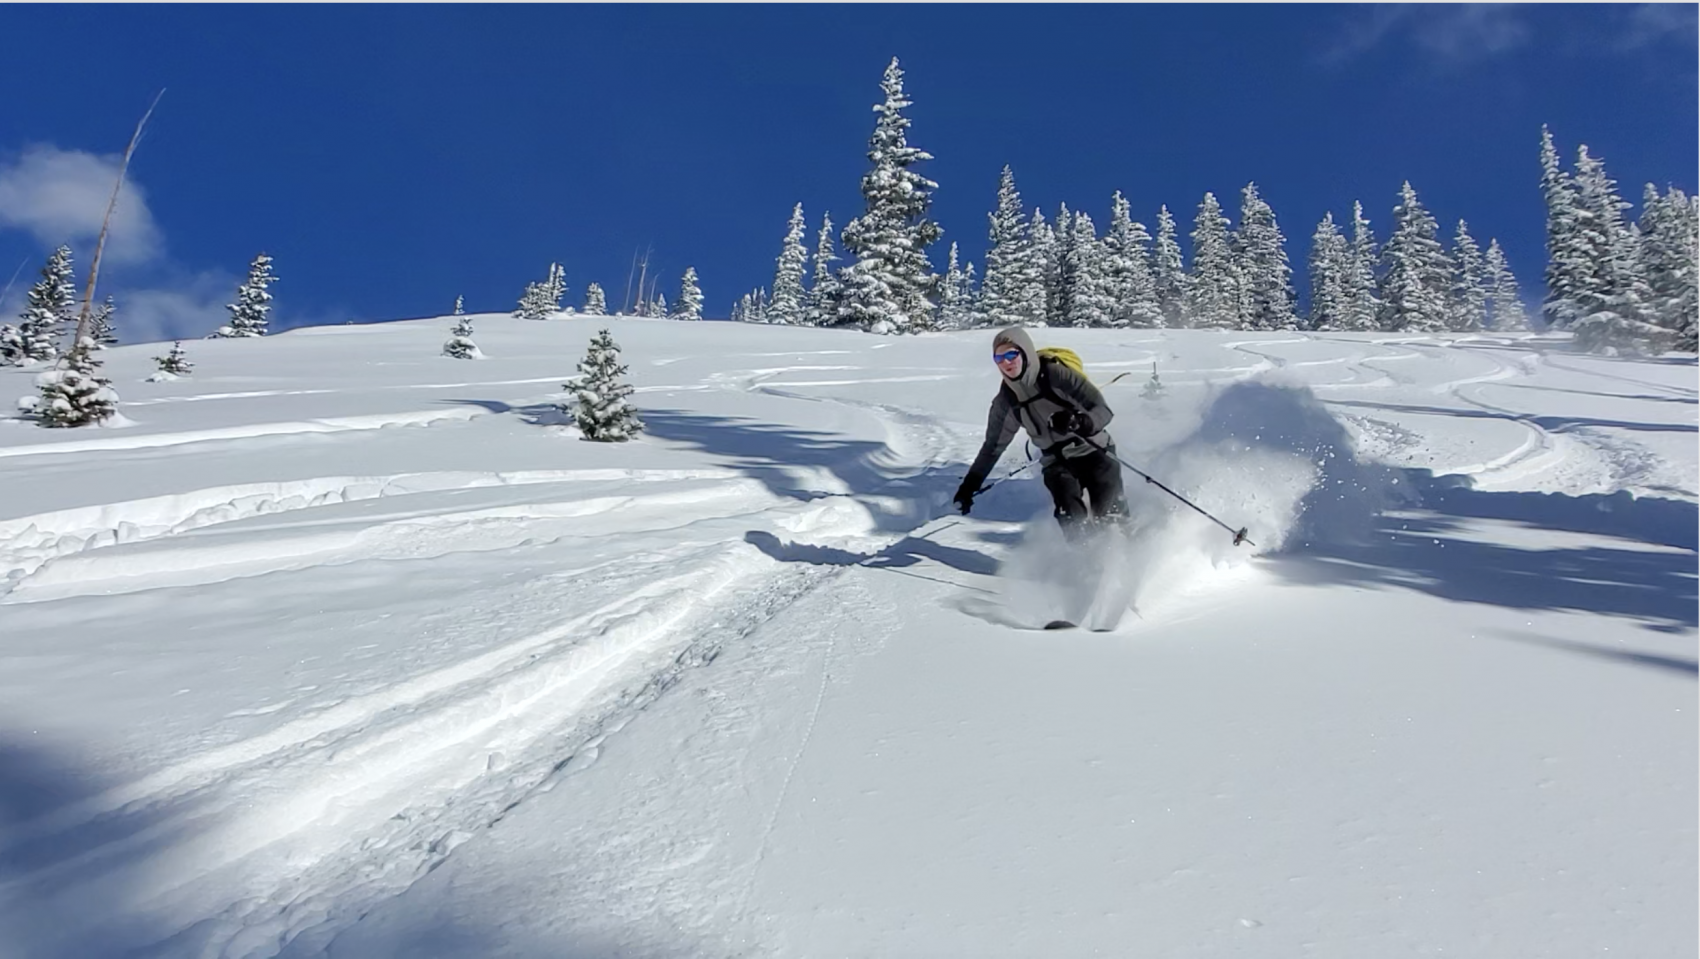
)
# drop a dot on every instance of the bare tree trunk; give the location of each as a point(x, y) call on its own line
point(106, 223)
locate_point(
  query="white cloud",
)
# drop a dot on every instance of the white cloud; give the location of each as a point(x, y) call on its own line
point(1446, 35)
point(60, 196)
point(190, 310)
point(1653, 23)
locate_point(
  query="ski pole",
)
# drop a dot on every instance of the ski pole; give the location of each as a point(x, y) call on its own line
point(1239, 534)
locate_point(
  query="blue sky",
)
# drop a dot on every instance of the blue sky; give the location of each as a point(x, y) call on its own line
point(391, 157)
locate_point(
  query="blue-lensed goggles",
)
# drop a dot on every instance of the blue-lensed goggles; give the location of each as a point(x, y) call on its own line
point(1006, 357)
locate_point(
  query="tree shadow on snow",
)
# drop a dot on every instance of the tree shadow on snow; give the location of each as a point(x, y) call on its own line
point(62, 872)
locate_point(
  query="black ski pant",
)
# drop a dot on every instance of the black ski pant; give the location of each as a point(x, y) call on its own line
point(1085, 488)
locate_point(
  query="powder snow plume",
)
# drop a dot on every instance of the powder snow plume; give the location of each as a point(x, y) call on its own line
point(1263, 457)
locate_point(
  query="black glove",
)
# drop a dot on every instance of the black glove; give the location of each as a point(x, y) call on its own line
point(1070, 421)
point(964, 498)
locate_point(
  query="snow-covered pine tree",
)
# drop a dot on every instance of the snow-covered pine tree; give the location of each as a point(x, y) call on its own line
point(11, 346)
point(555, 287)
point(74, 393)
point(595, 301)
point(101, 329)
point(1127, 270)
point(1042, 258)
point(1261, 255)
point(752, 308)
point(971, 290)
point(689, 305)
point(889, 287)
point(601, 411)
point(175, 362)
point(658, 307)
point(1569, 269)
point(49, 310)
point(1330, 266)
point(1414, 286)
point(1612, 314)
point(953, 303)
point(1505, 313)
point(531, 303)
point(1467, 310)
point(1057, 265)
point(1012, 292)
point(1090, 303)
point(1670, 247)
point(1168, 272)
point(737, 313)
point(460, 345)
point(460, 306)
point(786, 308)
point(1363, 305)
point(1213, 287)
point(250, 315)
point(1154, 389)
point(821, 303)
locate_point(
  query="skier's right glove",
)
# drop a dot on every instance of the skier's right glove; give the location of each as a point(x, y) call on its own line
point(964, 498)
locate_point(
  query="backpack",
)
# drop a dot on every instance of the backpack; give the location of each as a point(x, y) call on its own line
point(1066, 357)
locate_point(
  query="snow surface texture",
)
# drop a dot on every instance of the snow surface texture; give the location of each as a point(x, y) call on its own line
point(340, 647)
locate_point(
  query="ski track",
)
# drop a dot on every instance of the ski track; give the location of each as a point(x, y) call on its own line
point(374, 791)
point(29, 542)
point(136, 441)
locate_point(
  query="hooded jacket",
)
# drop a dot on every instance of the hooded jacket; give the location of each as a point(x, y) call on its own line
point(1024, 403)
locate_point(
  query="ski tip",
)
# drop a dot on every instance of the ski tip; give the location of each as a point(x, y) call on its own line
point(1059, 624)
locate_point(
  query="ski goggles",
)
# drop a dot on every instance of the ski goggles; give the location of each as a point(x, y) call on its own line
point(1008, 356)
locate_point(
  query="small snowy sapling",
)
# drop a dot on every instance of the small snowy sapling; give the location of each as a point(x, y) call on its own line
point(73, 394)
point(460, 345)
point(601, 410)
point(175, 362)
point(250, 314)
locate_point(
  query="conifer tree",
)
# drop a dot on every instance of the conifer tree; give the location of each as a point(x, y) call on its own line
point(1569, 265)
point(1414, 286)
point(1042, 258)
point(1330, 266)
point(786, 308)
point(1363, 305)
point(1612, 312)
point(1154, 389)
point(1088, 299)
point(1467, 310)
point(100, 325)
point(49, 309)
point(1670, 248)
point(976, 314)
point(658, 307)
point(1057, 265)
point(554, 288)
point(250, 315)
point(689, 306)
point(460, 345)
point(1127, 270)
point(888, 288)
point(602, 412)
point(543, 300)
point(1012, 292)
point(74, 393)
point(822, 299)
point(595, 301)
point(1505, 313)
point(953, 303)
point(176, 362)
point(1213, 287)
point(1261, 255)
point(11, 346)
point(1168, 273)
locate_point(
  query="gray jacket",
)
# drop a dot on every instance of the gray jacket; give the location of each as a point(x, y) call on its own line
point(1027, 402)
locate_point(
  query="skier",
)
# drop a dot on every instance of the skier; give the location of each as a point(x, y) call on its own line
point(1065, 416)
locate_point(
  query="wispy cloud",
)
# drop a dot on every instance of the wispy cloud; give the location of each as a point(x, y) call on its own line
point(1651, 24)
point(1448, 36)
point(191, 309)
point(60, 196)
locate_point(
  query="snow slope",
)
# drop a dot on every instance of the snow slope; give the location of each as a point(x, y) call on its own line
point(339, 647)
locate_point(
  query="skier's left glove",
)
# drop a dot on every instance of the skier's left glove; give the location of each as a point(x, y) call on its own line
point(1070, 421)
point(964, 498)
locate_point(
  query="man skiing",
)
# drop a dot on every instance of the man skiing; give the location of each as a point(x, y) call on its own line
point(1065, 416)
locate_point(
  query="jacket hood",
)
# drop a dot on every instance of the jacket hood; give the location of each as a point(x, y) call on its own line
point(1018, 338)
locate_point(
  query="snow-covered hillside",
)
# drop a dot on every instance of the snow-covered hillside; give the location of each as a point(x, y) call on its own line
point(342, 647)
